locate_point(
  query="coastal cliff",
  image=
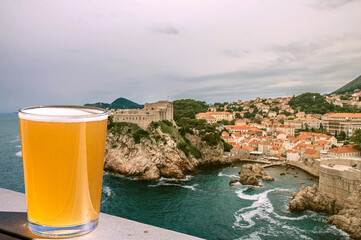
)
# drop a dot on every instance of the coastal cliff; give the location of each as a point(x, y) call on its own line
point(347, 218)
point(158, 152)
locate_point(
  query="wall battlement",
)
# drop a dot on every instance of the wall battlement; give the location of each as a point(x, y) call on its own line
point(340, 177)
point(152, 112)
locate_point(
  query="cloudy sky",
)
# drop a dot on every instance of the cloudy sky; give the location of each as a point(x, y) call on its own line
point(74, 52)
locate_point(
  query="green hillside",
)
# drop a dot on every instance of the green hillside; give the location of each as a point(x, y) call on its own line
point(98, 104)
point(350, 87)
point(123, 103)
point(120, 103)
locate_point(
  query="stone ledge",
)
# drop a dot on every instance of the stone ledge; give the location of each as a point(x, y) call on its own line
point(13, 224)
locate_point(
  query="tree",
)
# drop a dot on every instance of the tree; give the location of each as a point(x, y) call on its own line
point(356, 138)
point(188, 108)
point(341, 136)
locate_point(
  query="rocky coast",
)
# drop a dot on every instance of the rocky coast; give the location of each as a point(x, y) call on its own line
point(157, 155)
point(346, 216)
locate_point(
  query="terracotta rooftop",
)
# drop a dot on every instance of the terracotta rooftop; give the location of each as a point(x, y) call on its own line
point(344, 149)
point(310, 151)
point(345, 115)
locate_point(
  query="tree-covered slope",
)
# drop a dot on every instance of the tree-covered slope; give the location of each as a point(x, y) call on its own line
point(123, 103)
point(350, 87)
point(188, 108)
point(98, 104)
point(119, 103)
point(316, 103)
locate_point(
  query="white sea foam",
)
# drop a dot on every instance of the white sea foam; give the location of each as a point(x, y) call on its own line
point(161, 183)
point(18, 146)
point(19, 154)
point(107, 191)
point(261, 207)
point(15, 140)
point(62, 114)
point(187, 178)
point(220, 174)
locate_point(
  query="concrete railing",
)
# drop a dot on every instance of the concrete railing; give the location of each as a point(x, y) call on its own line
point(13, 224)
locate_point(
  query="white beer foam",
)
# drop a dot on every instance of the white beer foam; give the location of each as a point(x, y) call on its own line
point(62, 114)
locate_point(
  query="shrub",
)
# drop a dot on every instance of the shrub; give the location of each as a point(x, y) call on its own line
point(139, 134)
point(183, 146)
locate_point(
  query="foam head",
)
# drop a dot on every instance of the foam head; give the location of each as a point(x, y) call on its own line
point(62, 114)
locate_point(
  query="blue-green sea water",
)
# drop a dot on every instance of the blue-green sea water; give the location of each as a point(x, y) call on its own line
point(203, 205)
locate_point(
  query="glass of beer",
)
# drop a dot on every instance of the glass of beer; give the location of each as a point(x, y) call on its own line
point(63, 155)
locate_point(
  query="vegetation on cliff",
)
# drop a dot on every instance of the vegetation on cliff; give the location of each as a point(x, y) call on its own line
point(188, 108)
point(350, 87)
point(315, 103)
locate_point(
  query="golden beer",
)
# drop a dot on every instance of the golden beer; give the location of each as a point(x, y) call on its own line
point(63, 154)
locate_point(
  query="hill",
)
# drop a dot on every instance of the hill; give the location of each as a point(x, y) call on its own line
point(188, 108)
point(98, 104)
point(119, 103)
point(349, 87)
point(316, 103)
point(123, 103)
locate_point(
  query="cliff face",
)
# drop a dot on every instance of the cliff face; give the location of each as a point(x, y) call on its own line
point(151, 159)
point(348, 218)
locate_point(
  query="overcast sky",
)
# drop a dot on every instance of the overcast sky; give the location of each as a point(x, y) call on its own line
point(75, 52)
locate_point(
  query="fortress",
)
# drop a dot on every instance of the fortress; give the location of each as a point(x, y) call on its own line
point(340, 177)
point(152, 112)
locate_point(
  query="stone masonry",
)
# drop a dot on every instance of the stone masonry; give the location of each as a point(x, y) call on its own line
point(152, 112)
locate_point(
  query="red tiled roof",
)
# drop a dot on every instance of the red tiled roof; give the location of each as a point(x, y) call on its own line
point(310, 151)
point(344, 149)
point(249, 148)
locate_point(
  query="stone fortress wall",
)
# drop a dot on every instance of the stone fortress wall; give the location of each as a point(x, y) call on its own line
point(340, 177)
point(152, 112)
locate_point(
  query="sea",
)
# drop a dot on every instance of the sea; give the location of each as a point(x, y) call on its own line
point(203, 205)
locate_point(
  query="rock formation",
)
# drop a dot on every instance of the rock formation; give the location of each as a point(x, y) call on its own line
point(308, 198)
point(348, 218)
point(151, 159)
point(250, 173)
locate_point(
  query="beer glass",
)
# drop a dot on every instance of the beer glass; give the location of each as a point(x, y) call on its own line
point(63, 154)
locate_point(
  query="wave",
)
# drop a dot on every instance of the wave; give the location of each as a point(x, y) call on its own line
point(18, 146)
point(19, 154)
point(16, 140)
point(161, 183)
point(107, 191)
point(220, 174)
point(187, 178)
point(262, 209)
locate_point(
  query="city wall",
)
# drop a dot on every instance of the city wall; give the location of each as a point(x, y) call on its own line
point(340, 177)
point(152, 112)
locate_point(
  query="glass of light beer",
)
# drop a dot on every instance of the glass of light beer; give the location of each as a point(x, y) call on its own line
point(63, 154)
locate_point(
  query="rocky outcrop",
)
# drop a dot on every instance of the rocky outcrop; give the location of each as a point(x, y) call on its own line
point(147, 160)
point(308, 198)
point(151, 159)
point(210, 155)
point(250, 173)
point(347, 219)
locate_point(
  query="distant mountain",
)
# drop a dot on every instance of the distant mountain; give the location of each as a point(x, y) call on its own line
point(98, 104)
point(349, 87)
point(120, 103)
point(123, 103)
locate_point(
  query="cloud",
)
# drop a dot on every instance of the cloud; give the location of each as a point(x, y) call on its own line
point(167, 30)
point(234, 53)
point(329, 4)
